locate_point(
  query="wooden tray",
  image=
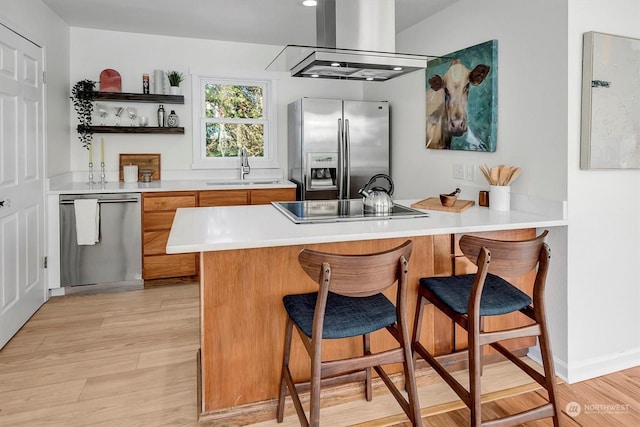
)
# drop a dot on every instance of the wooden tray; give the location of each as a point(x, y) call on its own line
point(433, 203)
point(144, 161)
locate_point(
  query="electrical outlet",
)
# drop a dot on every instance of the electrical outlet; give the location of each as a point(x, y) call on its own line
point(458, 171)
point(469, 172)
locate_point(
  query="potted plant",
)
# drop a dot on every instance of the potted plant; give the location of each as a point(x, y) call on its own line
point(82, 95)
point(175, 78)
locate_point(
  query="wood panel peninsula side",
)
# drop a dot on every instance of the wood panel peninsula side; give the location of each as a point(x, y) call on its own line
point(248, 262)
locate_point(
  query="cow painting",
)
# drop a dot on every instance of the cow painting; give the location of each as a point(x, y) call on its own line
point(459, 116)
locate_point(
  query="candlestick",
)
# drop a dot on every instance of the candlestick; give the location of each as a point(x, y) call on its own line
point(91, 153)
point(103, 180)
point(102, 151)
point(91, 173)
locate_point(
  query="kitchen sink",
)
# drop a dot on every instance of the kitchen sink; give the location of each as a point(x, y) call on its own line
point(249, 182)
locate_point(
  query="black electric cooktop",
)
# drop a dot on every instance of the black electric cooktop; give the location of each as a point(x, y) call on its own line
point(318, 211)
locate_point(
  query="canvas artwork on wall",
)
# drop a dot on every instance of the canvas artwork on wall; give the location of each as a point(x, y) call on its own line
point(610, 137)
point(462, 99)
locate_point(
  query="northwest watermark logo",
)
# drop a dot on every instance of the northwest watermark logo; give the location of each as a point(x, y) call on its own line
point(573, 409)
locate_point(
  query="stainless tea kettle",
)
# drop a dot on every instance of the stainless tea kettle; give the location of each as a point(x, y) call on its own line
point(377, 200)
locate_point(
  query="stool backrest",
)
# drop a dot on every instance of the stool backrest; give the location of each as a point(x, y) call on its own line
point(510, 258)
point(356, 275)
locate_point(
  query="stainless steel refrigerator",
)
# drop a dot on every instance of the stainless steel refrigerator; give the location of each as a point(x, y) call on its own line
point(336, 146)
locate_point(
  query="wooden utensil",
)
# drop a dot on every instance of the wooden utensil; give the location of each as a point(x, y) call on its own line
point(504, 175)
point(515, 173)
point(485, 171)
point(494, 174)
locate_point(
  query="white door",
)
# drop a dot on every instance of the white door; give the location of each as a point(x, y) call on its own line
point(22, 284)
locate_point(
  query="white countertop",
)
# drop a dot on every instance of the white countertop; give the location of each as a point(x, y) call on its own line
point(243, 227)
point(169, 185)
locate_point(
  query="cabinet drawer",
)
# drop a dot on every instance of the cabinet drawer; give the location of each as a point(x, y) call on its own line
point(155, 242)
point(157, 220)
point(266, 196)
point(167, 203)
point(224, 198)
point(163, 266)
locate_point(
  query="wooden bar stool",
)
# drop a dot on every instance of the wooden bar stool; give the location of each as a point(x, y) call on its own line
point(467, 299)
point(350, 303)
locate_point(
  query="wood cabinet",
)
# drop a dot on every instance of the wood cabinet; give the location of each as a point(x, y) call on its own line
point(264, 196)
point(224, 198)
point(158, 210)
point(260, 196)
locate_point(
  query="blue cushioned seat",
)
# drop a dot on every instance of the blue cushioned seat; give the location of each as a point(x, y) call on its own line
point(498, 295)
point(344, 316)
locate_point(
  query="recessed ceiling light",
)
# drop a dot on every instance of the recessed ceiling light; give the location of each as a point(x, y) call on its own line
point(335, 64)
point(369, 78)
point(397, 68)
point(309, 3)
point(315, 75)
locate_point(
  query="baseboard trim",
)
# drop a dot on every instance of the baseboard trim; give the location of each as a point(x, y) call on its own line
point(597, 367)
point(559, 365)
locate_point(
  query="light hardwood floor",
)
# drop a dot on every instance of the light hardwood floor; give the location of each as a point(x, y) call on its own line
point(129, 359)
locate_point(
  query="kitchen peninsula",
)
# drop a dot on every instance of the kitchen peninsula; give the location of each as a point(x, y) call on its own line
point(249, 261)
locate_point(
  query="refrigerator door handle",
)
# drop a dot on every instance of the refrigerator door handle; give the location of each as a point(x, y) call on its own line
point(341, 160)
point(347, 160)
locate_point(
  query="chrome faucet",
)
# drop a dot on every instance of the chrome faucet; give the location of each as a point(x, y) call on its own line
point(245, 169)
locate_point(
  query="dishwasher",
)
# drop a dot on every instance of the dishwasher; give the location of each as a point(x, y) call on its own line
point(117, 256)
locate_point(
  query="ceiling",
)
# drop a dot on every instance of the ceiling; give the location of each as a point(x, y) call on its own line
point(276, 22)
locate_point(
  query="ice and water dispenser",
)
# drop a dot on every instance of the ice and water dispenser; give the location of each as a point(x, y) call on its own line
point(321, 171)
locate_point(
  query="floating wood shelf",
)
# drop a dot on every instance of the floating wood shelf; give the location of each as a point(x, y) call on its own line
point(135, 129)
point(138, 97)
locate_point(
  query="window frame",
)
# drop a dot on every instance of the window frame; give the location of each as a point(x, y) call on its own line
point(269, 120)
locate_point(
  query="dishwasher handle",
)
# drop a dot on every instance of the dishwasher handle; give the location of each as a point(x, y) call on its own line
point(70, 202)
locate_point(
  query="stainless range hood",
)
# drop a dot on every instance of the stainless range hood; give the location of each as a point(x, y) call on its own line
point(356, 40)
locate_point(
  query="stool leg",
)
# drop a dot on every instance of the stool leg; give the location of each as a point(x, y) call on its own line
point(549, 370)
point(316, 380)
point(481, 355)
point(417, 324)
point(410, 377)
point(366, 344)
point(475, 370)
point(285, 366)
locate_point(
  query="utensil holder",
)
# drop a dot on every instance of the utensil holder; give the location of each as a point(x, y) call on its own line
point(500, 198)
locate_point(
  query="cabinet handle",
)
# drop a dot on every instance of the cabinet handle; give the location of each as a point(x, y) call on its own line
point(5, 203)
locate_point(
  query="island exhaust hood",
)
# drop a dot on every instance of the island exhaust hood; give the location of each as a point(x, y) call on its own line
point(356, 41)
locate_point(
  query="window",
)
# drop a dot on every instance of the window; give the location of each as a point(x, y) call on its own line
point(230, 114)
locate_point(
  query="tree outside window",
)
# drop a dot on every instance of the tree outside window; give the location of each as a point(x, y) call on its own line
point(231, 113)
point(234, 118)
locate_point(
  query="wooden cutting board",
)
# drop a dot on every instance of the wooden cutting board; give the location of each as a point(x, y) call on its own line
point(433, 203)
point(144, 161)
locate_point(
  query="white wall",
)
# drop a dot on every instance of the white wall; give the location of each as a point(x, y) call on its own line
point(134, 54)
point(594, 287)
point(604, 222)
point(532, 117)
point(36, 22)
point(531, 111)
